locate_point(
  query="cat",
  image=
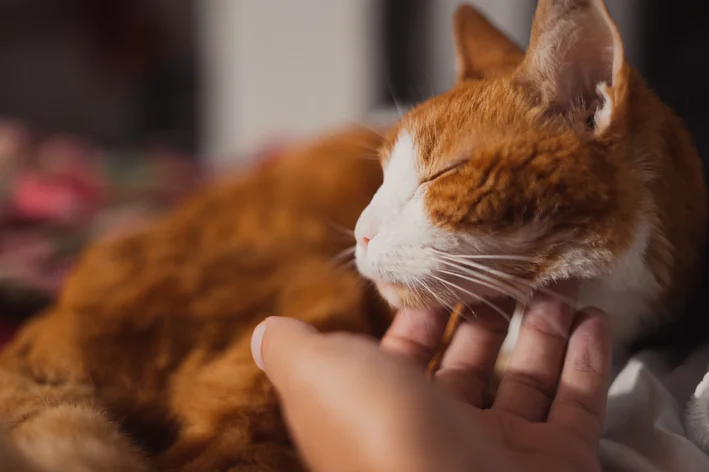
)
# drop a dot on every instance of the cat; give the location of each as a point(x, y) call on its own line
point(554, 163)
point(537, 167)
point(149, 340)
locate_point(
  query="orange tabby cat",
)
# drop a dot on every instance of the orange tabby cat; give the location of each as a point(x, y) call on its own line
point(534, 167)
point(554, 164)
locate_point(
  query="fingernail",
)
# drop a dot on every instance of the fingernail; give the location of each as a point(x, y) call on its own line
point(256, 340)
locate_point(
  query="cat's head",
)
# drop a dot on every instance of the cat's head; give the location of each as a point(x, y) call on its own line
point(519, 175)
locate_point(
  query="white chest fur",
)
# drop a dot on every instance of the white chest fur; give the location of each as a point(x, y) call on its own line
point(629, 294)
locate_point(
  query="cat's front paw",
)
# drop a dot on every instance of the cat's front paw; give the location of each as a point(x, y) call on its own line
point(70, 437)
point(46, 350)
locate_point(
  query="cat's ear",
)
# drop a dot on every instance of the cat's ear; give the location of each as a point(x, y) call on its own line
point(482, 50)
point(576, 61)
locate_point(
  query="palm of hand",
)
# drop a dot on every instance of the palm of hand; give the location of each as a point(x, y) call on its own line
point(535, 446)
point(549, 409)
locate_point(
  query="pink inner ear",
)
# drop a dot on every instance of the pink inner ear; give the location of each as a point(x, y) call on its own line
point(574, 52)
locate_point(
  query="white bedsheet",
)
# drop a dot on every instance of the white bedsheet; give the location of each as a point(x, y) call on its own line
point(645, 426)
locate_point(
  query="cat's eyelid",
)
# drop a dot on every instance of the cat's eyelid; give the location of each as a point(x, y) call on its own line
point(451, 166)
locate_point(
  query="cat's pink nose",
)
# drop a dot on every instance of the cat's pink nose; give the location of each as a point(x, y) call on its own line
point(365, 229)
point(365, 239)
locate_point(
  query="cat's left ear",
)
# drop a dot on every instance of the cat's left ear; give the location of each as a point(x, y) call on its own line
point(482, 50)
point(576, 62)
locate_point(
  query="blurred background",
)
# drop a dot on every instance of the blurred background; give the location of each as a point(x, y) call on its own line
point(111, 111)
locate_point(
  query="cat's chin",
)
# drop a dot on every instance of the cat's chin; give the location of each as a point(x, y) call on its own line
point(399, 296)
point(392, 293)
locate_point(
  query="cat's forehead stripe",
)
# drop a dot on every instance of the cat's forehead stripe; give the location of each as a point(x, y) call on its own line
point(400, 178)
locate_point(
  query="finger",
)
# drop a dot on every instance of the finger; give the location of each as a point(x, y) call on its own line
point(341, 395)
point(298, 331)
point(528, 386)
point(580, 402)
point(415, 334)
point(303, 364)
point(468, 365)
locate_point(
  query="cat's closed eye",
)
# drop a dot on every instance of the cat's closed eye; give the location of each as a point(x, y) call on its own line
point(444, 171)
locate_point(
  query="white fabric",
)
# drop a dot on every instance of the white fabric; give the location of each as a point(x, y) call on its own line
point(645, 426)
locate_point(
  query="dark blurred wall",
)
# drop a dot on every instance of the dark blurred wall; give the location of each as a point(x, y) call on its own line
point(120, 72)
point(675, 41)
point(675, 38)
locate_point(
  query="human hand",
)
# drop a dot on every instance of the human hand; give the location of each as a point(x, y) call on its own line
point(353, 404)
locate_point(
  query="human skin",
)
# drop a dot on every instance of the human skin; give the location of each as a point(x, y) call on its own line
point(354, 404)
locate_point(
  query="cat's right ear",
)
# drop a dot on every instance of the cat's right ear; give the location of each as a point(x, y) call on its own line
point(482, 50)
point(576, 63)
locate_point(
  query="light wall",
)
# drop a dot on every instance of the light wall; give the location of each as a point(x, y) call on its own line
point(283, 67)
point(514, 17)
point(294, 67)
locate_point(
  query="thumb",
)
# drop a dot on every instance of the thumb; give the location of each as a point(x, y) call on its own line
point(277, 352)
point(344, 399)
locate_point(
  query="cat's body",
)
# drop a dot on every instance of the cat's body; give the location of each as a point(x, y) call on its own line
point(152, 330)
point(649, 286)
point(147, 350)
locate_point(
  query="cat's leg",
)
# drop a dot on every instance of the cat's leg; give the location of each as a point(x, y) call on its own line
point(46, 350)
point(76, 437)
point(227, 408)
point(228, 415)
point(59, 428)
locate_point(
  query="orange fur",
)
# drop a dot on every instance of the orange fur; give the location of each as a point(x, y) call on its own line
point(154, 328)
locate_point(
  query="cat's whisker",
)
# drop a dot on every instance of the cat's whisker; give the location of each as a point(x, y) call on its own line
point(374, 156)
point(486, 257)
point(344, 260)
point(436, 297)
point(341, 229)
point(476, 296)
point(471, 272)
point(461, 265)
point(374, 149)
point(449, 306)
point(346, 265)
point(370, 157)
point(393, 98)
point(343, 238)
point(348, 252)
point(481, 282)
point(532, 287)
point(369, 128)
point(456, 297)
point(509, 278)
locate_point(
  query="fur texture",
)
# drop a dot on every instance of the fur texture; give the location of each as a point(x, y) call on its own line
point(145, 358)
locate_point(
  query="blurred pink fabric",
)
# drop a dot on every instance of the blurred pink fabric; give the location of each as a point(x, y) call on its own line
point(59, 193)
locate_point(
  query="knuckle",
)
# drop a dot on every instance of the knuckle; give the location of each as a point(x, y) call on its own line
point(544, 386)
